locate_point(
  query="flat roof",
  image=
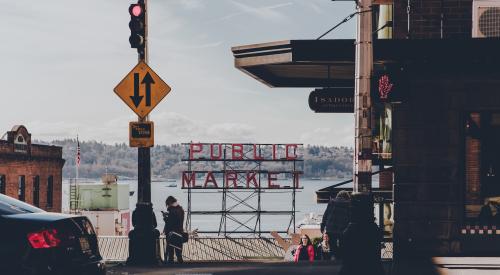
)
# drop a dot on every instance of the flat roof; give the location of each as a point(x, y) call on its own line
point(330, 63)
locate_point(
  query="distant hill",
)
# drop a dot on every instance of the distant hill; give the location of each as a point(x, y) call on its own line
point(96, 157)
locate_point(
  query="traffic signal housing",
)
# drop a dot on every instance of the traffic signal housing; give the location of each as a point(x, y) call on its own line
point(137, 26)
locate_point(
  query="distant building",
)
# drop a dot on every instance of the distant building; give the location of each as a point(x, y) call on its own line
point(31, 172)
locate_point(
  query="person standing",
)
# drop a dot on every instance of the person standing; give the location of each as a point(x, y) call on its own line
point(324, 250)
point(305, 251)
point(335, 220)
point(174, 221)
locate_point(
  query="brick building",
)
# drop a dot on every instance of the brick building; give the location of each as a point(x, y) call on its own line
point(439, 129)
point(31, 172)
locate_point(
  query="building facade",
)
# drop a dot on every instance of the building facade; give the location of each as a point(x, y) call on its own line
point(438, 125)
point(31, 172)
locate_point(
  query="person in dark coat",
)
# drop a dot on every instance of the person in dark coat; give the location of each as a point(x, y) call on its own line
point(361, 241)
point(335, 220)
point(174, 221)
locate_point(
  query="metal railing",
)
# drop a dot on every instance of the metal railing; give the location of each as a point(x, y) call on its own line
point(206, 249)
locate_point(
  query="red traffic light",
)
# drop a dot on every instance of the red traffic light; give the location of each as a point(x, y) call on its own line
point(136, 10)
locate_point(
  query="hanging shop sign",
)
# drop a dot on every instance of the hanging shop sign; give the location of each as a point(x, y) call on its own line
point(332, 100)
point(389, 85)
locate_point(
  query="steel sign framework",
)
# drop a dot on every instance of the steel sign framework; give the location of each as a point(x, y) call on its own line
point(243, 179)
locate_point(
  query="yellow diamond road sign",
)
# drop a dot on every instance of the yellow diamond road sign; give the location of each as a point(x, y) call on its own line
point(142, 89)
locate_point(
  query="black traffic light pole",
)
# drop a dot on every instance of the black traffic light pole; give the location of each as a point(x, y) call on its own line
point(143, 239)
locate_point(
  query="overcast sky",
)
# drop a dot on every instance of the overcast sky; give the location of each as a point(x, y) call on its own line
point(61, 60)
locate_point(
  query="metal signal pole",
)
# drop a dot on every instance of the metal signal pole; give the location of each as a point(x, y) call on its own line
point(144, 155)
point(143, 245)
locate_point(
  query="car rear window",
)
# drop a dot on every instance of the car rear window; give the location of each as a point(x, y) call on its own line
point(10, 206)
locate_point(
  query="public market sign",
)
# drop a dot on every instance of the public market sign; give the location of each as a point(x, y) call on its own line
point(332, 100)
point(142, 89)
point(243, 166)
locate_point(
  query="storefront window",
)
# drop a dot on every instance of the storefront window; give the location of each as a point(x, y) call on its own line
point(482, 168)
point(382, 144)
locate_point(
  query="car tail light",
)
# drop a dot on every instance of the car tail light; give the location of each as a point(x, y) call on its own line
point(44, 239)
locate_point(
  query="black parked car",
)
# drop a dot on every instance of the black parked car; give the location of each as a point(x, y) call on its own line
point(33, 241)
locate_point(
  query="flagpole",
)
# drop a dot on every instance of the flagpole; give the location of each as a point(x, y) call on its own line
point(77, 164)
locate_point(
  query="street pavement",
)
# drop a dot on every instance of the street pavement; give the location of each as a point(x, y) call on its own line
point(468, 265)
point(438, 266)
point(231, 268)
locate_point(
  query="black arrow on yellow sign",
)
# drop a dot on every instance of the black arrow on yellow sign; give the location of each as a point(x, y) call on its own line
point(136, 98)
point(147, 80)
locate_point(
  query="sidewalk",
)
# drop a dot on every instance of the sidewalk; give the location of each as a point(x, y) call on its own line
point(231, 268)
point(442, 266)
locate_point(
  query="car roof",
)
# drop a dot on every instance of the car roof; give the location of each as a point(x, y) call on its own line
point(11, 206)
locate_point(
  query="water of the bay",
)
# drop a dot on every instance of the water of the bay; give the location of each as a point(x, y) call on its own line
point(211, 200)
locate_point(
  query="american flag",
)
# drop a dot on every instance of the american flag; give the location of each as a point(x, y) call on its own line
point(78, 158)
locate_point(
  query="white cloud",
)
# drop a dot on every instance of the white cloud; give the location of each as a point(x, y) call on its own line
point(170, 127)
point(265, 12)
point(191, 4)
point(65, 87)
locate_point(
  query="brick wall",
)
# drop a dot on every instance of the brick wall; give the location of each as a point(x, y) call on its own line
point(12, 169)
point(6, 147)
point(428, 153)
point(46, 151)
point(425, 21)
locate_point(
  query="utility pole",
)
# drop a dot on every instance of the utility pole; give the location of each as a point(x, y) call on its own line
point(362, 168)
point(144, 237)
point(362, 236)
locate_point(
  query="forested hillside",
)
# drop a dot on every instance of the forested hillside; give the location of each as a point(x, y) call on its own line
point(96, 157)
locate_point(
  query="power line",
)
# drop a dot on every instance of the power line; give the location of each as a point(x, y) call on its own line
point(349, 17)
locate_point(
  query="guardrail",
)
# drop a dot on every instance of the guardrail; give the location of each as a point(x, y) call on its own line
point(211, 249)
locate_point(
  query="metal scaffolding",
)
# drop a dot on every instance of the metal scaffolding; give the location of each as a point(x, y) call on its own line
point(241, 208)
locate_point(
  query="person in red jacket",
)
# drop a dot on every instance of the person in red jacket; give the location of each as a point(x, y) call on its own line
point(305, 251)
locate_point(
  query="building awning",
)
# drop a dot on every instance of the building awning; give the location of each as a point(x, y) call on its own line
point(330, 63)
point(299, 63)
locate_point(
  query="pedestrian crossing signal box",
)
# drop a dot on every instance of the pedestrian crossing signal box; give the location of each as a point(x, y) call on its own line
point(141, 134)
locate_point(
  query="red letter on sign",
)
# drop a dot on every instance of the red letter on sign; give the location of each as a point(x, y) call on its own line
point(232, 176)
point(251, 178)
point(274, 151)
point(256, 155)
point(271, 176)
point(237, 151)
point(294, 150)
point(212, 155)
point(195, 148)
point(210, 178)
point(188, 178)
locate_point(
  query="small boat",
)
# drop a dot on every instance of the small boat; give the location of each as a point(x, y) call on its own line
point(172, 185)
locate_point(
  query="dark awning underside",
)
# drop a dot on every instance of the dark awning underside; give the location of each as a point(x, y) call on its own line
point(330, 63)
